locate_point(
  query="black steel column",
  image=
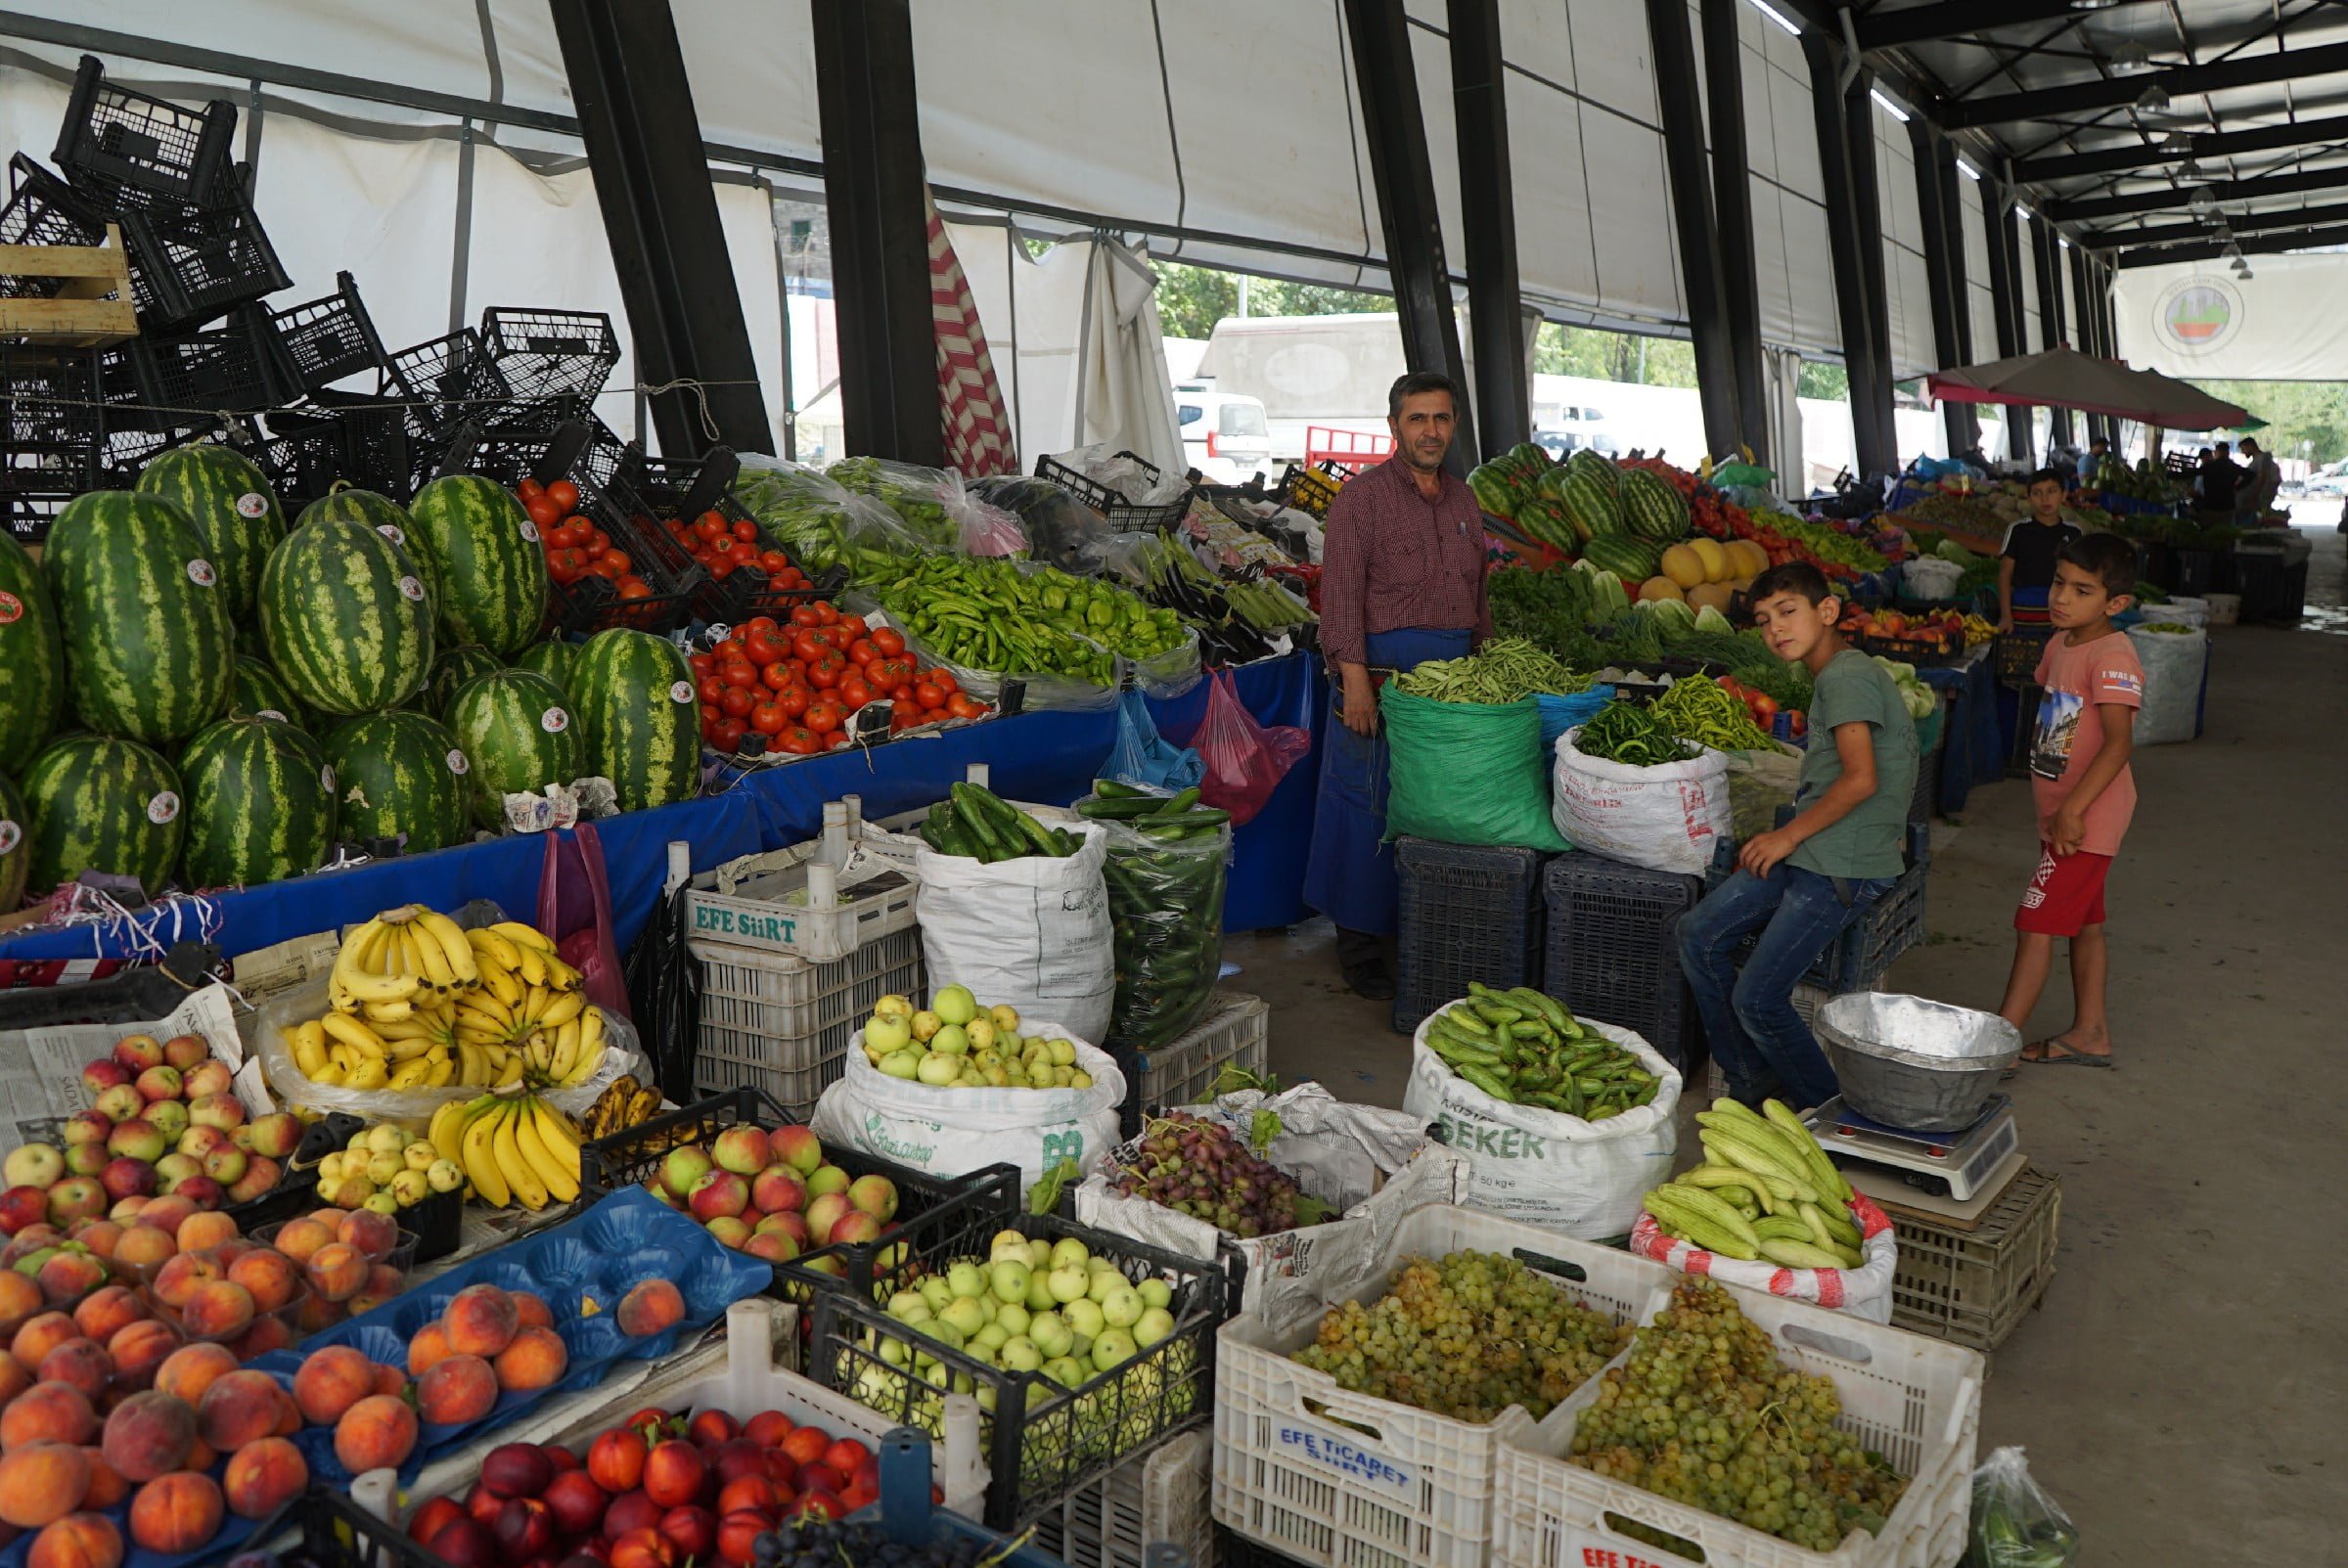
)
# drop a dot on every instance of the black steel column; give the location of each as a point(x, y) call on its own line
point(2049, 249)
point(1923, 145)
point(875, 197)
point(1503, 394)
point(1867, 193)
point(1952, 220)
point(1413, 226)
point(1847, 231)
point(652, 180)
point(1691, 220)
point(1733, 217)
point(2090, 329)
point(2006, 299)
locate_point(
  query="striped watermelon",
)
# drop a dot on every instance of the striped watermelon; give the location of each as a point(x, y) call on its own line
point(401, 775)
point(256, 691)
point(1600, 468)
point(556, 659)
point(1652, 506)
point(1589, 505)
point(232, 508)
point(480, 553)
point(146, 626)
point(346, 615)
point(451, 670)
point(16, 853)
point(260, 804)
point(517, 729)
point(380, 512)
point(1631, 560)
point(32, 659)
point(635, 698)
point(101, 804)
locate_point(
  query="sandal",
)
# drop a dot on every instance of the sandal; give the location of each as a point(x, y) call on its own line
point(2047, 1056)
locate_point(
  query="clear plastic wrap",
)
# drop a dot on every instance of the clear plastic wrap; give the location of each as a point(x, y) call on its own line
point(822, 524)
point(935, 505)
point(1166, 908)
point(2016, 1523)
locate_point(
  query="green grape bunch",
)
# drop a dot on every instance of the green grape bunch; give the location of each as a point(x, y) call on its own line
point(1466, 1336)
point(1705, 1413)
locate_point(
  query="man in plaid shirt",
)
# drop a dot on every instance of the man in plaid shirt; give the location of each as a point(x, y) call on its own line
point(1401, 581)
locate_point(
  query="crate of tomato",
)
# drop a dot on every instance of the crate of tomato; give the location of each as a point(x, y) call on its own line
point(815, 681)
point(750, 573)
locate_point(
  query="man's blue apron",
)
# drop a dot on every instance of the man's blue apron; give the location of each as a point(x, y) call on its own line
point(1349, 877)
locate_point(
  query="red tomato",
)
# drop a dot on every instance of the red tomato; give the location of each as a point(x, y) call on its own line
point(730, 648)
point(745, 528)
point(930, 694)
point(902, 691)
point(888, 640)
point(564, 535)
point(944, 679)
point(853, 626)
point(806, 645)
point(712, 689)
point(823, 717)
point(565, 565)
point(963, 707)
point(860, 652)
point(565, 494)
point(530, 490)
point(598, 541)
point(775, 677)
point(765, 648)
point(711, 714)
point(797, 739)
point(702, 663)
point(805, 615)
point(729, 734)
point(544, 512)
point(796, 700)
point(721, 568)
point(709, 525)
point(736, 702)
point(825, 614)
point(615, 563)
point(768, 718)
point(773, 562)
point(635, 588)
point(839, 738)
point(854, 694)
point(738, 672)
point(757, 623)
point(904, 712)
point(826, 672)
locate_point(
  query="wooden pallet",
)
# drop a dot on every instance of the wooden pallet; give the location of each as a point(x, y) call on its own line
point(92, 306)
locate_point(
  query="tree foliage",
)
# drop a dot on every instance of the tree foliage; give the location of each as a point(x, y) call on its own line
point(2314, 413)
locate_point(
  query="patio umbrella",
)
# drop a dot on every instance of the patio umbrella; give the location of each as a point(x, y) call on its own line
point(2188, 408)
point(2064, 377)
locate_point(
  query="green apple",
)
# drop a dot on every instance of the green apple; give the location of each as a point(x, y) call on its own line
point(965, 1278)
point(1006, 1243)
point(952, 1040)
point(1084, 1316)
point(1063, 1053)
point(1156, 1293)
point(1039, 1255)
point(1154, 1325)
point(1101, 1283)
point(1050, 1332)
point(1010, 1282)
point(936, 1291)
point(1122, 1307)
point(938, 1071)
point(1068, 1284)
point(982, 1034)
point(1065, 1371)
point(1039, 1290)
point(1020, 1355)
point(964, 1314)
point(885, 1035)
point(1078, 1078)
point(909, 1306)
point(1113, 1346)
point(989, 1338)
point(924, 1024)
point(1014, 1316)
point(893, 1006)
point(940, 1330)
point(1068, 1251)
point(902, 1064)
point(954, 1004)
point(1006, 1018)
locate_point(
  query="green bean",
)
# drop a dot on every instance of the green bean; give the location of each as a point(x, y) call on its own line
point(1625, 733)
point(1507, 669)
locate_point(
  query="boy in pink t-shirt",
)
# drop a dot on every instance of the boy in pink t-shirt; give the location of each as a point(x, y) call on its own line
point(2084, 791)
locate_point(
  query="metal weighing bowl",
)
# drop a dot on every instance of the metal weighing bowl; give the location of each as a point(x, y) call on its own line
point(1913, 1063)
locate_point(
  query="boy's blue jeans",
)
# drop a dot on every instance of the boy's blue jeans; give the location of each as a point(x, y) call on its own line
point(1761, 1045)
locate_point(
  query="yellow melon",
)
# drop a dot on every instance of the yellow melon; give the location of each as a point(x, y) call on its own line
point(1709, 596)
point(1715, 559)
point(1748, 558)
point(1682, 566)
point(1658, 588)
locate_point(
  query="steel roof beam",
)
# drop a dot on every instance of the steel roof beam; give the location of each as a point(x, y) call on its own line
point(1888, 29)
point(2178, 81)
point(2115, 206)
point(2257, 244)
point(2189, 233)
point(2207, 144)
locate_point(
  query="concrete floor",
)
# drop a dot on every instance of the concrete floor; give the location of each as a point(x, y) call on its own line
point(2184, 1387)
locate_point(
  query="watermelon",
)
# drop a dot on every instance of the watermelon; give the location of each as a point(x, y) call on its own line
point(480, 554)
point(451, 670)
point(1631, 560)
point(99, 803)
point(256, 691)
point(260, 804)
point(344, 614)
point(32, 659)
point(1600, 468)
point(146, 626)
point(1652, 506)
point(16, 858)
point(380, 512)
point(401, 776)
point(557, 660)
point(230, 505)
point(635, 698)
point(517, 729)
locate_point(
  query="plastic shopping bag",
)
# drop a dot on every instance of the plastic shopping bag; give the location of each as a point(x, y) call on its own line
point(1146, 759)
point(2015, 1524)
point(1666, 818)
point(574, 907)
point(1466, 773)
point(1245, 760)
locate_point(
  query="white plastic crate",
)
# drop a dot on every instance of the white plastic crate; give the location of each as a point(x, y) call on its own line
point(1344, 1480)
point(783, 1024)
point(1914, 1400)
point(1155, 1495)
point(1235, 1032)
point(761, 902)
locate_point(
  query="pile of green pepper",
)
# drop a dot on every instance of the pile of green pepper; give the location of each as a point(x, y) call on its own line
point(1165, 874)
point(982, 826)
point(916, 495)
point(815, 524)
point(1524, 1047)
point(989, 614)
point(1626, 732)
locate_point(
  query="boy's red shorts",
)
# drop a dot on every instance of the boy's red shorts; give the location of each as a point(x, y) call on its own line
point(2065, 893)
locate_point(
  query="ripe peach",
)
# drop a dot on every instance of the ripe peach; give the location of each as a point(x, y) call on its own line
point(105, 1312)
point(14, 1379)
point(427, 1347)
point(77, 1541)
point(373, 1233)
point(330, 1381)
point(314, 1312)
point(127, 1210)
point(337, 1270)
point(220, 1309)
point(70, 1276)
point(98, 1236)
point(270, 1278)
point(239, 1407)
point(42, 1482)
point(83, 1363)
point(189, 1371)
point(265, 1335)
point(149, 1435)
point(480, 1320)
point(48, 1412)
point(168, 1212)
point(536, 1358)
point(205, 1230)
point(389, 1381)
point(650, 1307)
point(382, 1283)
point(377, 1433)
point(299, 1238)
point(43, 1334)
point(19, 1301)
point(144, 1248)
point(531, 1311)
point(458, 1388)
point(181, 1274)
point(264, 1477)
point(177, 1512)
point(139, 1350)
point(107, 1486)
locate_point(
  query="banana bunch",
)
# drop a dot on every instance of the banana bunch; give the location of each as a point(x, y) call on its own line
point(623, 1103)
point(1766, 1190)
point(419, 1003)
point(513, 1148)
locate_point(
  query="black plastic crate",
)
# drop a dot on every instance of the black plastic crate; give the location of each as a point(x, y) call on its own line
point(1125, 517)
point(686, 491)
point(452, 380)
point(133, 146)
point(2271, 590)
point(2195, 573)
point(1925, 803)
point(52, 430)
point(1614, 950)
point(1467, 912)
point(168, 383)
point(190, 264)
point(1890, 926)
point(42, 209)
point(1037, 1454)
point(325, 1529)
point(306, 453)
point(2017, 655)
point(561, 354)
point(331, 339)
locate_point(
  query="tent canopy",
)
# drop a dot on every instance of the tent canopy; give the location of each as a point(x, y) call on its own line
point(2064, 377)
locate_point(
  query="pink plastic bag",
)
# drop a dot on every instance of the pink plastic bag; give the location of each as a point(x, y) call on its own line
point(1245, 760)
point(574, 907)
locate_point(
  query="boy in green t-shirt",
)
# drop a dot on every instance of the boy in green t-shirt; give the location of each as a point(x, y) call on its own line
point(1800, 884)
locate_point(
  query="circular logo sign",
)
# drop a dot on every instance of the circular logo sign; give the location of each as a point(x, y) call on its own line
point(2199, 314)
point(11, 835)
point(457, 763)
point(253, 504)
point(529, 530)
point(163, 808)
point(11, 606)
point(391, 532)
point(680, 691)
point(553, 721)
point(200, 574)
point(272, 713)
point(410, 587)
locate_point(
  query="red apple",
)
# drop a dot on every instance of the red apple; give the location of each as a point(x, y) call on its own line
point(87, 1127)
point(139, 1053)
point(718, 1194)
point(162, 1081)
point(778, 1189)
point(796, 1146)
point(187, 1050)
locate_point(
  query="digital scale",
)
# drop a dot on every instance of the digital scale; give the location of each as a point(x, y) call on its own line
point(1959, 1166)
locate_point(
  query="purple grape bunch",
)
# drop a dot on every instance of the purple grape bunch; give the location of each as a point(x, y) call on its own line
point(1206, 1170)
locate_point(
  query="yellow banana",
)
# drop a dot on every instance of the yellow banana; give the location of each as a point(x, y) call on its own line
point(373, 1073)
point(590, 1059)
point(469, 1067)
point(494, 946)
point(526, 937)
point(310, 1048)
point(329, 1072)
point(512, 1164)
point(444, 1131)
point(410, 1074)
point(431, 955)
point(455, 951)
point(488, 1006)
point(544, 1160)
point(358, 951)
point(411, 1050)
point(502, 983)
point(440, 1074)
point(510, 1073)
point(561, 975)
point(380, 1013)
point(562, 1008)
point(481, 1154)
point(566, 1052)
point(379, 988)
point(351, 1032)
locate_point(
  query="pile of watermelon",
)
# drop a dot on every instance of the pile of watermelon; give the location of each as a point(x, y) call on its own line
point(1617, 518)
point(192, 691)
